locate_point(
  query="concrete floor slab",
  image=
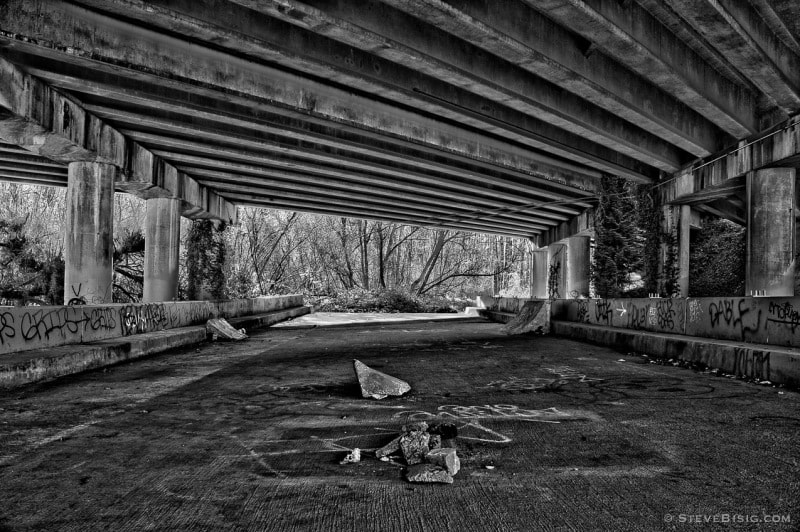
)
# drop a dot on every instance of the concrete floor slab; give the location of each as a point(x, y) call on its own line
point(554, 435)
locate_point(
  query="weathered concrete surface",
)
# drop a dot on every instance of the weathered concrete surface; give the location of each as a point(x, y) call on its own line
point(25, 367)
point(89, 233)
point(779, 365)
point(248, 436)
point(24, 328)
point(162, 249)
point(761, 320)
point(771, 204)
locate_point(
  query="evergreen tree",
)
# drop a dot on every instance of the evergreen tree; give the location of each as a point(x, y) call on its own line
point(617, 248)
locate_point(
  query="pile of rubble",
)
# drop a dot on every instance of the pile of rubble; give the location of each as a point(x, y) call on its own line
point(428, 451)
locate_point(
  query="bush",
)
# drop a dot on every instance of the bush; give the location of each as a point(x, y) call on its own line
point(392, 300)
point(717, 261)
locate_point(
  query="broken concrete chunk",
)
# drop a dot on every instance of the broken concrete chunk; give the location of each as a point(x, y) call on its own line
point(428, 473)
point(417, 426)
point(390, 448)
point(445, 458)
point(376, 384)
point(435, 442)
point(414, 446)
point(353, 458)
point(220, 328)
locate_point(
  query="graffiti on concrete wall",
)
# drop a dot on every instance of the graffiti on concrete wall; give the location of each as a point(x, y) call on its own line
point(603, 312)
point(694, 311)
point(784, 314)
point(637, 316)
point(63, 322)
point(737, 316)
point(583, 311)
point(665, 314)
point(138, 319)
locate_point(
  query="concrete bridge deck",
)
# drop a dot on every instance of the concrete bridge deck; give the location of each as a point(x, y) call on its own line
point(555, 435)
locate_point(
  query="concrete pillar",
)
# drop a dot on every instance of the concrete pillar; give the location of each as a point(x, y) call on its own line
point(161, 247)
point(770, 264)
point(557, 271)
point(539, 272)
point(88, 239)
point(684, 232)
point(578, 266)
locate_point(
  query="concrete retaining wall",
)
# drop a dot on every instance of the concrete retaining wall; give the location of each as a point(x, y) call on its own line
point(761, 320)
point(25, 328)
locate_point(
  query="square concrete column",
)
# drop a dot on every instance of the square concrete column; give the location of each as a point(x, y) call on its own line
point(539, 271)
point(770, 263)
point(578, 266)
point(88, 238)
point(161, 249)
point(557, 271)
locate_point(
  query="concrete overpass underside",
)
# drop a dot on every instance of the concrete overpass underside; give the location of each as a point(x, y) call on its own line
point(473, 115)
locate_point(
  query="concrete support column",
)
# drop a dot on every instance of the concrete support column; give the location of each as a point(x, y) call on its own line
point(770, 232)
point(539, 271)
point(684, 232)
point(578, 266)
point(161, 249)
point(88, 239)
point(557, 271)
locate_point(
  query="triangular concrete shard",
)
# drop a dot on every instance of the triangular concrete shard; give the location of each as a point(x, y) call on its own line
point(376, 384)
point(222, 329)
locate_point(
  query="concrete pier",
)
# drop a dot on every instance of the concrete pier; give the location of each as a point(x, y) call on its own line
point(578, 260)
point(88, 240)
point(161, 249)
point(539, 273)
point(770, 259)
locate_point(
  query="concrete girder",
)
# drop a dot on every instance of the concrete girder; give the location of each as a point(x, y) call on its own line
point(141, 49)
point(543, 48)
point(53, 125)
point(421, 47)
point(736, 29)
point(478, 220)
point(364, 214)
point(356, 181)
point(632, 36)
point(779, 147)
point(579, 225)
point(262, 154)
point(279, 42)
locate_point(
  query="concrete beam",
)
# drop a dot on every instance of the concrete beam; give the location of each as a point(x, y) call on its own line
point(242, 30)
point(778, 147)
point(526, 38)
point(582, 224)
point(635, 38)
point(365, 214)
point(59, 24)
point(742, 36)
point(388, 33)
point(48, 123)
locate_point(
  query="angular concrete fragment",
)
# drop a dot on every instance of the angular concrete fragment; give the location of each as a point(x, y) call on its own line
point(390, 448)
point(352, 458)
point(444, 458)
point(222, 329)
point(428, 473)
point(435, 442)
point(414, 446)
point(417, 426)
point(376, 384)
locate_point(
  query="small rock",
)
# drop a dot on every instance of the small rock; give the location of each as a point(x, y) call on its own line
point(390, 448)
point(765, 383)
point(489, 467)
point(445, 458)
point(414, 446)
point(376, 384)
point(428, 473)
point(384, 459)
point(353, 458)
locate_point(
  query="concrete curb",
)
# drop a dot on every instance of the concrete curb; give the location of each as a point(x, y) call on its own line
point(25, 367)
point(779, 365)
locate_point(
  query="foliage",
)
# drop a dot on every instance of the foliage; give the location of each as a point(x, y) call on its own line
point(205, 261)
point(388, 301)
point(618, 243)
point(717, 260)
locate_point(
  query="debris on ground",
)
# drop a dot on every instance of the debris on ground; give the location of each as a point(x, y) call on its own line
point(220, 328)
point(533, 317)
point(353, 457)
point(428, 450)
point(376, 384)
